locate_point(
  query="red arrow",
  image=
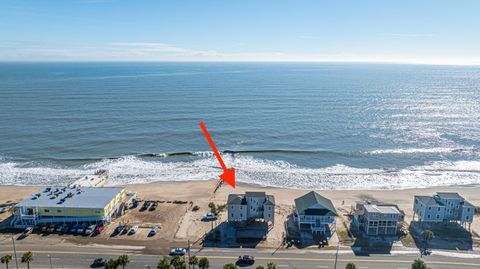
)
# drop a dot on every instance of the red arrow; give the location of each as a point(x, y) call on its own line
point(228, 174)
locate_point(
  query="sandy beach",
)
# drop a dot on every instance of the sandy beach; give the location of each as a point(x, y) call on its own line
point(178, 223)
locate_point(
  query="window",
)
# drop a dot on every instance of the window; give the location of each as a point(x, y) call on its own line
point(241, 215)
point(271, 216)
point(59, 211)
point(468, 209)
point(47, 210)
point(232, 215)
point(467, 218)
point(438, 216)
point(429, 208)
point(428, 216)
point(439, 209)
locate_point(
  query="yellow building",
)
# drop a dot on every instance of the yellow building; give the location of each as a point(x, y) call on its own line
point(70, 205)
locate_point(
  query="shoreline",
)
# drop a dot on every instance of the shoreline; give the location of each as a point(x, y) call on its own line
point(258, 186)
point(179, 223)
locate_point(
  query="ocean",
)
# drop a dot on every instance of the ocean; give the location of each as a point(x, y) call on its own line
point(297, 125)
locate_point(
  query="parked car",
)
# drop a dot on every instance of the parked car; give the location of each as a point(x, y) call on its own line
point(133, 230)
point(99, 229)
point(44, 229)
point(81, 229)
point(27, 231)
point(51, 228)
point(134, 204)
point(153, 206)
point(153, 231)
point(74, 228)
point(125, 229)
point(178, 251)
point(58, 229)
point(98, 262)
point(209, 217)
point(90, 229)
point(145, 206)
point(118, 229)
point(65, 229)
point(246, 259)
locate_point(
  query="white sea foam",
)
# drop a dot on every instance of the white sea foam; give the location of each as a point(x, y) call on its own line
point(420, 150)
point(132, 169)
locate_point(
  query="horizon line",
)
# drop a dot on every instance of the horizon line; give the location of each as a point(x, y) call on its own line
point(386, 62)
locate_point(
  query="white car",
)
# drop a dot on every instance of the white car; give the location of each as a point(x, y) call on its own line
point(90, 229)
point(133, 230)
point(178, 252)
point(209, 217)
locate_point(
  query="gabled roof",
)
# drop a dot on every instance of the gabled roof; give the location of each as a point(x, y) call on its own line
point(449, 195)
point(312, 198)
point(270, 200)
point(426, 200)
point(236, 199)
point(255, 194)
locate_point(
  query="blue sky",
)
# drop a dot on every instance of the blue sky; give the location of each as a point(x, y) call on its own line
point(418, 31)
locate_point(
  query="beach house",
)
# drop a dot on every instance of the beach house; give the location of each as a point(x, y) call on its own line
point(69, 205)
point(377, 218)
point(315, 213)
point(250, 206)
point(443, 206)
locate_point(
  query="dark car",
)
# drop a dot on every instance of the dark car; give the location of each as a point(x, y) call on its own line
point(246, 259)
point(99, 262)
point(65, 229)
point(74, 228)
point(134, 204)
point(145, 206)
point(153, 206)
point(51, 228)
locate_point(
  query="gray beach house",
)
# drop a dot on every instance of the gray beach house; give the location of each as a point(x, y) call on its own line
point(251, 205)
point(377, 218)
point(443, 207)
point(315, 213)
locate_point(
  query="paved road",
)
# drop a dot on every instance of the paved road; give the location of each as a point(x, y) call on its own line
point(70, 256)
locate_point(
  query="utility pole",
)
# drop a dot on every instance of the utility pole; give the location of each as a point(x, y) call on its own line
point(14, 251)
point(50, 258)
point(188, 249)
point(336, 258)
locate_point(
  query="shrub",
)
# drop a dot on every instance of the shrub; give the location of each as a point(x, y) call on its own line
point(195, 208)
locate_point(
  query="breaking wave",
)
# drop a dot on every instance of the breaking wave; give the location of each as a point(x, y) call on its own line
point(134, 169)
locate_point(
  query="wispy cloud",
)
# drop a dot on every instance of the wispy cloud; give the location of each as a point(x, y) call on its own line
point(400, 35)
point(158, 51)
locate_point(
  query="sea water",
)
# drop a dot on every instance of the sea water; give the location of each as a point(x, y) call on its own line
point(300, 125)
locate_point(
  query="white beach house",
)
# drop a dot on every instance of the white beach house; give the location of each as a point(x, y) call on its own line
point(443, 207)
point(377, 218)
point(251, 205)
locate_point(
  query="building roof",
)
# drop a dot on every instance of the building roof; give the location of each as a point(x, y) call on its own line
point(71, 197)
point(255, 194)
point(449, 195)
point(270, 200)
point(426, 200)
point(236, 199)
point(239, 199)
point(466, 203)
point(311, 199)
point(382, 209)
